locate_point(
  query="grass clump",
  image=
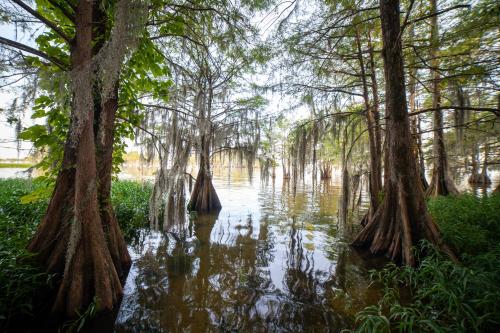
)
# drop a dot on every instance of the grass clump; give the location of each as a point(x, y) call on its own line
point(440, 295)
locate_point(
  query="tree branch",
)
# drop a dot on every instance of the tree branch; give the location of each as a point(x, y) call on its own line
point(26, 48)
point(438, 13)
point(478, 109)
point(44, 20)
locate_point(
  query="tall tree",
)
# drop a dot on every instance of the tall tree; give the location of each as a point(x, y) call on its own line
point(402, 218)
point(79, 239)
point(441, 182)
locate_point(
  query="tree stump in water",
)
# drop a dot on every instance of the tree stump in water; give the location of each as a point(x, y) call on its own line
point(326, 172)
point(479, 179)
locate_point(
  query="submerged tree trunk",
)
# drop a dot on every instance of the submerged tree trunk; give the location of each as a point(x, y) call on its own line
point(204, 198)
point(482, 178)
point(325, 171)
point(441, 182)
point(484, 172)
point(402, 218)
point(78, 239)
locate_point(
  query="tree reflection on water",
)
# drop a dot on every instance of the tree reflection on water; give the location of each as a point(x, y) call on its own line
point(271, 260)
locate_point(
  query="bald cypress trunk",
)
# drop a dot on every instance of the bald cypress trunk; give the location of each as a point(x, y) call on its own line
point(374, 139)
point(415, 121)
point(78, 238)
point(441, 182)
point(482, 178)
point(204, 198)
point(104, 157)
point(401, 220)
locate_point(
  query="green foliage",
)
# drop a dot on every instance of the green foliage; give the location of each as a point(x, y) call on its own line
point(78, 324)
point(131, 203)
point(440, 295)
point(469, 225)
point(19, 276)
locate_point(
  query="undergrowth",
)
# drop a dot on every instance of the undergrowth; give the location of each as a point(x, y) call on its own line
point(22, 205)
point(445, 296)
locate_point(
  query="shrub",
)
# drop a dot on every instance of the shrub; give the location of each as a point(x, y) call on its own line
point(468, 224)
point(131, 204)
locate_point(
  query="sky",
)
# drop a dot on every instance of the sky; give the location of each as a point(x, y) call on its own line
point(7, 133)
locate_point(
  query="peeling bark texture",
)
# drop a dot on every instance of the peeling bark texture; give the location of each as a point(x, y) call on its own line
point(441, 182)
point(79, 239)
point(401, 220)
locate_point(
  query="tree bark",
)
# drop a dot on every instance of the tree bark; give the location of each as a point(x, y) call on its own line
point(106, 108)
point(402, 218)
point(104, 153)
point(441, 182)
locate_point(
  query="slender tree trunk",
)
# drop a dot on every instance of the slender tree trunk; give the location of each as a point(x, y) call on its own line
point(484, 172)
point(415, 124)
point(72, 241)
point(474, 172)
point(345, 190)
point(375, 172)
point(375, 109)
point(441, 182)
point(402, 218)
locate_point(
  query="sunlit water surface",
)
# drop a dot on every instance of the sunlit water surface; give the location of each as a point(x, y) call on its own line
point(270, 261)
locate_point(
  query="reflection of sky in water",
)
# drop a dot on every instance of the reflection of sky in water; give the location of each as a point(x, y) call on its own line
point(271, 261)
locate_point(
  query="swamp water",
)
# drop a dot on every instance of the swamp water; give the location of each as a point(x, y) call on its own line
point(271, 261)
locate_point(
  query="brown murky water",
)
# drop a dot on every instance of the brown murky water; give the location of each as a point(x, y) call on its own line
point(270, 261)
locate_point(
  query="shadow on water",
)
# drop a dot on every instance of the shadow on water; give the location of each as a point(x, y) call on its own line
point(274, 259)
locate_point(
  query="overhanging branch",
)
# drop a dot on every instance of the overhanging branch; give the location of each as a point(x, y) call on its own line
point(26, 48)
